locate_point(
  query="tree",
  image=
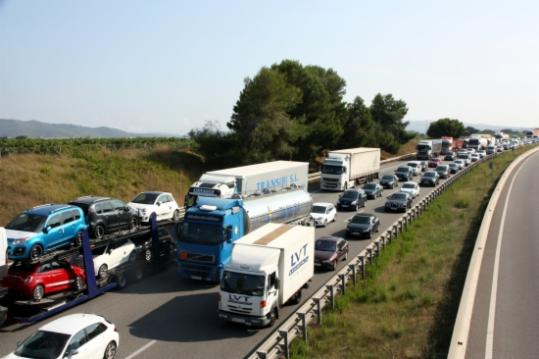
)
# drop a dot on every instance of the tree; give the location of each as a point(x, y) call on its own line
point(445, 127)
point(388, 113)
point(360, 129)
point(261, 122)
point(468, 130)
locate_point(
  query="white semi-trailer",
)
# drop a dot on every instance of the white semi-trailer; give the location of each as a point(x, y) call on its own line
point(268, 268)
point(343, 169)
point(249, 180)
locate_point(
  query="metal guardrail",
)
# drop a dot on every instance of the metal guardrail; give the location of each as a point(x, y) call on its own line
point(277, 343)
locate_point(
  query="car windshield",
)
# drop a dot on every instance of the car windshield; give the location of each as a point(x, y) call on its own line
point(429, 174)
point(332, 170)
point(241, 283)
point(370, 186)
point(42, 345)
point(146, 198)
point(441, 168)
point(402, 169)
point(361, 219)
point(387, 178)
point(203, 233)
point(318, 209)
point(408, 185)
point(325, 245)
point(27, 222)
point(399, 196)
point(412, 164)
point(349, 194)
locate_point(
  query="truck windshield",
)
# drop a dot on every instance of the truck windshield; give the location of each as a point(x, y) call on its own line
point(421, 148)
point(203, 233)
point(332, 170)
point(241, 283)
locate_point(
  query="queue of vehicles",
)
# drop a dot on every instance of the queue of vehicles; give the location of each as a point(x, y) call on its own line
point(268, 263)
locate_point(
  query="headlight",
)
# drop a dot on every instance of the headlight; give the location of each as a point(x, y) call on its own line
point(353, 202)
point(19, 240)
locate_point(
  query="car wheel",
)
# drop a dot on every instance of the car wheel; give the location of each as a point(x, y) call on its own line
point(333, 265)
point(36, 251)
point(110, 351)
point(103, 272)
point(176, 216)
point(345, 257)
point(38, 292)
point(132, 257)
point(78, 239)
point(99, 231)
point(370, 234)
point(79, 284)
point(148, 255)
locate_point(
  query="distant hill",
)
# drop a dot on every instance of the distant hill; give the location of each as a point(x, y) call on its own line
point(422, 126)
point(37, 129)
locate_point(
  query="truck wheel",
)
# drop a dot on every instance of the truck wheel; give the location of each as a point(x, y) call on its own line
point(38, 292)
point(273, 316)
point(121, 280)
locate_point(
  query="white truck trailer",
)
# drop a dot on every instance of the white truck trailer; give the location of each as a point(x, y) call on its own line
point(343, 169)
point(248, 180)
point(268, 268)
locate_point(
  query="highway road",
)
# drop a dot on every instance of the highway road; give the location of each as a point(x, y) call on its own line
point(505, 320)
point(164, 317)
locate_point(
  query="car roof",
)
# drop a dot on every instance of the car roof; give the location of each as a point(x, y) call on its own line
point(370, 215)
point(330, 238)
point(46, 209)
point(325, 204)
point(153, 192)
point(89, 199)
point(410, 182)
point(71, 324)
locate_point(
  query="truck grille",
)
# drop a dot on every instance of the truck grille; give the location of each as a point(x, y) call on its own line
point(198, 257)
point(238, 309)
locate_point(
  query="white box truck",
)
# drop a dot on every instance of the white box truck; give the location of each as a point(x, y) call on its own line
point(343, 169)
point(250, 180)
point(268, 268)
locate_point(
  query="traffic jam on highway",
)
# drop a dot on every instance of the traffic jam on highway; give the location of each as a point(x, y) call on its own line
point(254, 230)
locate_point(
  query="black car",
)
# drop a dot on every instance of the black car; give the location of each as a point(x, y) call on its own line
point(398, 201)
point(106, 215)
point(453, 167)
point(362, 225)
point(389, 181)
point(328, 250)
point(429, 178)
point(352, 199)
point(450, 156)
point(404, 173)
point(373, 190)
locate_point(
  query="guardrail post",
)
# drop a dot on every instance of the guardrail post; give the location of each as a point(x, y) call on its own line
point(284, 335)
point(261, 355)
point(343, 283)
point(303, 326)
point(369, 250)
point(318, 311)
point(362, 266)
point(354, 274)
point(383, 239)
point(377, 248)
point(331, 296)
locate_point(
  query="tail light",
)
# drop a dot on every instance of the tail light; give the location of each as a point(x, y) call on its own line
point(263, 304)
point(183, 255)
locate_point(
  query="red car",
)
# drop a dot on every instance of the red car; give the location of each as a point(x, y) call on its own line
point(35, 281)
point(434, 162)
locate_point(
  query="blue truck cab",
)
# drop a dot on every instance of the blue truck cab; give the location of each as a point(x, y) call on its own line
point(206, 236)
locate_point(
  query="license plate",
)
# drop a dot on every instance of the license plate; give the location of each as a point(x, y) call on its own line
point(196, 277)
point(355, 233)
point(237, 320)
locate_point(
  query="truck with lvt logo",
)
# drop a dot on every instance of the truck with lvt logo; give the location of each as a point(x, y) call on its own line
point(269, 267)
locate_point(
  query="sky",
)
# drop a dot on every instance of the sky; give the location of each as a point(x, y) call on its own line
point(171, 66)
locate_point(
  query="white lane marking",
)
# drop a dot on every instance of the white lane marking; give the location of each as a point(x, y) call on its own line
point(489, 348)
point(140, 350)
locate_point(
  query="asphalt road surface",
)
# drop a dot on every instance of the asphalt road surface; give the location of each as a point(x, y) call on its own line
point(162, 316)
point(505, 321)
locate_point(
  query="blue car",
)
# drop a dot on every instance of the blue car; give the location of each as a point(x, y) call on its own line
point(43, 228)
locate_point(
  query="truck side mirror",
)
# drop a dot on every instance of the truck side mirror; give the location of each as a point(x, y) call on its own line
point(228, 233)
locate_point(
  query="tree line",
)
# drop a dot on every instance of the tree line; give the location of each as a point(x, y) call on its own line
point(455, 128)
point(294, 112)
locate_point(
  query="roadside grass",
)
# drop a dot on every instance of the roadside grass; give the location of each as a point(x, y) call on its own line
point(407, 305)
point(27, 180)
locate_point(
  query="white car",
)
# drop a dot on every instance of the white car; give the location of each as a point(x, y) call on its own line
point(460, 163)
point(323, 213)
point(75, 336)
point(3, 252)
point(411, 188)
point(416, 167)
point(162, 203)
point(112, 255)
